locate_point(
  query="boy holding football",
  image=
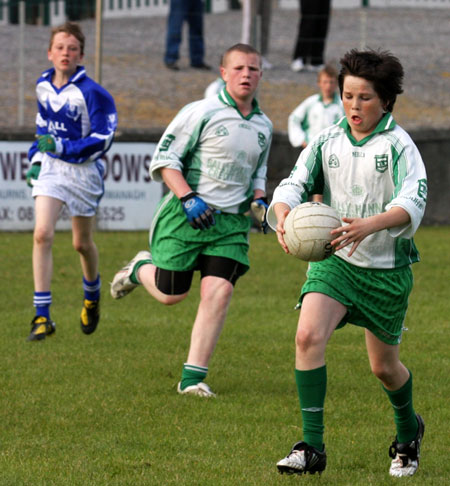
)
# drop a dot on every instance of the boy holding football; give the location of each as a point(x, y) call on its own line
point(75, 123)
point(370, 171)
point(213, 158)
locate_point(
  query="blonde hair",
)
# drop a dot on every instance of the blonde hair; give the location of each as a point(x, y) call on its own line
point(329, 70)
point(245, 48)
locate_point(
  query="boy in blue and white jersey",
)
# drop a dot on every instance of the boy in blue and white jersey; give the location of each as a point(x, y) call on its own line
point(370, 171)
point(213, 158)
point(75, 123)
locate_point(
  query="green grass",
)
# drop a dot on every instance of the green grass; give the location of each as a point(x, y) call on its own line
point(103, 409)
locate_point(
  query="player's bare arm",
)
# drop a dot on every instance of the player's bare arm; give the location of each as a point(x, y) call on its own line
point(359, 228)
point(175, 181)
point(281, 211)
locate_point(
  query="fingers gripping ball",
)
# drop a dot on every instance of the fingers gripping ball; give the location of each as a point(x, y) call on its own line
point(307, 231)
point(33, 173)
point(198, 213)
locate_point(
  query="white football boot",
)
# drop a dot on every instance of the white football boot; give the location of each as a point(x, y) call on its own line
point(122, 284)
point(200, 389)
point(405, 456)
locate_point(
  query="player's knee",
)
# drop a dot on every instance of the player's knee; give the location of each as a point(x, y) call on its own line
point(307, 338)
point(43, 236)
point(81, 246)
point(382, 371)
point(220, 292)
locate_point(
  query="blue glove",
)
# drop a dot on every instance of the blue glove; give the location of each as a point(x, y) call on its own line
point(198, 213)
point(259, 207)
point(33, 173)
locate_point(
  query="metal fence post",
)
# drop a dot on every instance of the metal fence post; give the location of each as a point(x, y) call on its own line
point(21, 81)
point(98, 40)
point(363, 23)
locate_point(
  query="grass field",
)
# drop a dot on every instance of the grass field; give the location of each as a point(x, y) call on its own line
point(103, 409)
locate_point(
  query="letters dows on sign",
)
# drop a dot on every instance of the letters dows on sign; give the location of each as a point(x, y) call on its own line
point(128, 203)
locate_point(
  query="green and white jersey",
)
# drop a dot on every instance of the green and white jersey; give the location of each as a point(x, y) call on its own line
point(362, 179)
point(311, 116)
point(222, 154)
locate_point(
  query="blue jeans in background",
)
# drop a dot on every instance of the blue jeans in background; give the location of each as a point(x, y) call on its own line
point(192, 12)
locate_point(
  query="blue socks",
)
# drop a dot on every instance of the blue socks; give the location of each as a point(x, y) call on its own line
point(42, 302)
point(92, 289)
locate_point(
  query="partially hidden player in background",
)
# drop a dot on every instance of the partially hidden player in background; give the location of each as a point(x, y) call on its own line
point(76, 121)
point(370, 171)
point(214, 88)
point(316, 112)
point(213, 158)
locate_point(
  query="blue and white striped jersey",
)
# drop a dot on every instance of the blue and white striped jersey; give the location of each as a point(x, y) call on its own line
point(81, 115)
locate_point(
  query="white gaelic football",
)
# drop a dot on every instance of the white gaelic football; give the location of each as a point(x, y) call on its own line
point(308, 228)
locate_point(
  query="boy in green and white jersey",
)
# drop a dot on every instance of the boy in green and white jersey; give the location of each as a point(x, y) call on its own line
point(213, 158)
point(318, 111)
point(369, 169)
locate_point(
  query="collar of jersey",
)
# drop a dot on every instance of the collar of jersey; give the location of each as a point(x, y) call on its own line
point(386, 123)
point(76, 76)
point(225, 97)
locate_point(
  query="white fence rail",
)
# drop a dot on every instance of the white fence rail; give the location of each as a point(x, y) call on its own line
point(293, 4)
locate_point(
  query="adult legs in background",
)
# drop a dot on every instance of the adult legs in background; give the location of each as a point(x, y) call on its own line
point(177, 14)
point(196, 42)
point(312, 31)
point(321, 15)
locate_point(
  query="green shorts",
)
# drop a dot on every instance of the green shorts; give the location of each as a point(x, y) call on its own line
point(375, 299)
point(175, 245)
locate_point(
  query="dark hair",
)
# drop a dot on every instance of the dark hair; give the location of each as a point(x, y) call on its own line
point(245, 48)
point(69, 28)
point(381, 68)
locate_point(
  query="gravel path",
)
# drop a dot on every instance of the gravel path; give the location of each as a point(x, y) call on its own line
point(148, 95)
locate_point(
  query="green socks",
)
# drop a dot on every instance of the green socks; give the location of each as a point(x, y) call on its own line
point(312, 387)
point(133, 276)
point(404, 414)
point(192, 375)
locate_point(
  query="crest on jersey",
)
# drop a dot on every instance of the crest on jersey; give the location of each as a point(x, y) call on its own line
point(221, 131)
point(333, 162)
point(72, 111)
point(381, 163)
point(261, 140)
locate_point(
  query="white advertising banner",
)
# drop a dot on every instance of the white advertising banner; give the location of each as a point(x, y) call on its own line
point(128, 203)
